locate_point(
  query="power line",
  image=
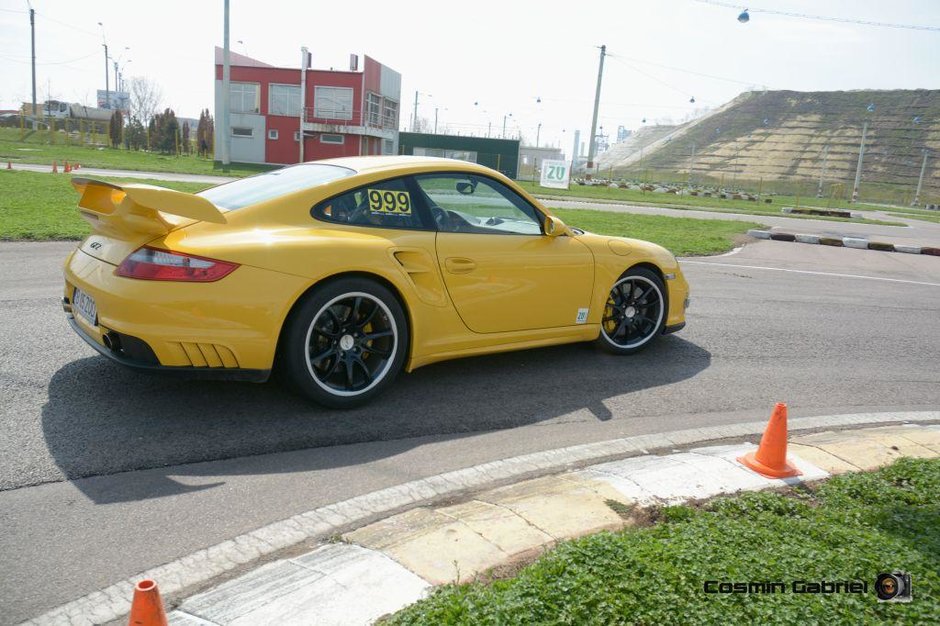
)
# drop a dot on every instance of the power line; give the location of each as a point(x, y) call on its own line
point(845, 20)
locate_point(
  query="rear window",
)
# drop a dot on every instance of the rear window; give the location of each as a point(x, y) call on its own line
point(262, 187)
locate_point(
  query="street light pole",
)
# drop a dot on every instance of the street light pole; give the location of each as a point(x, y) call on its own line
point(226, 93)
point(822, 171)
point(597, 101)
point(538, 132)
point(920, 181)
point(32, 32)
point(858, 169)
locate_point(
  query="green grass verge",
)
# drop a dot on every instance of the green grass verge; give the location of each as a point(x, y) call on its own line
point(683, 236)
point(37, 149)
point(691, 203)
point(37, 206)
point(851, 527)
point(44, 206)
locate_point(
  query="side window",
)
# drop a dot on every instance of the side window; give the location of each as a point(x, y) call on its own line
point(385, 204)
point(462, 203)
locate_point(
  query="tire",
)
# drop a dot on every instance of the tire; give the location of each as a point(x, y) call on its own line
point(345, 342)
point(635, 312)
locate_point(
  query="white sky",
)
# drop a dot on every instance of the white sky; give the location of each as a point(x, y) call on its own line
point(502, 54)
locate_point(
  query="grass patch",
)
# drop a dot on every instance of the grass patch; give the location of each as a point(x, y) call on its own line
point(851, 527)
point(683, 236)
point(43, 207)
point(692, 203)
point(37, 206)
point(37, 149)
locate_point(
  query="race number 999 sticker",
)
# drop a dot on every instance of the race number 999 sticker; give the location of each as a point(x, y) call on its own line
point(389, 202)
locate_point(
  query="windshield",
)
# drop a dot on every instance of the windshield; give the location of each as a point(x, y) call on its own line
point(262, 187)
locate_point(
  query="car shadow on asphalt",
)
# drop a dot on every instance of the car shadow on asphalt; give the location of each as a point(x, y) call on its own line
point(103, 419)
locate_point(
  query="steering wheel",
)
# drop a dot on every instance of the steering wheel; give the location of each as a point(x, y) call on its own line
point(442, 219)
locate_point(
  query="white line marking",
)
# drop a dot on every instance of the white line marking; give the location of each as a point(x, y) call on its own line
point(780, 269)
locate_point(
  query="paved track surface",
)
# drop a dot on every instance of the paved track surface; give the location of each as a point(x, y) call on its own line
point(105, 472)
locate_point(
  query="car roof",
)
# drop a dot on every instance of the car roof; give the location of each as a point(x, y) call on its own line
point(371, 164)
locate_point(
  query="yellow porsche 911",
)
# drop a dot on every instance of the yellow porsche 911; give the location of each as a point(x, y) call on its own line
point(343, 272)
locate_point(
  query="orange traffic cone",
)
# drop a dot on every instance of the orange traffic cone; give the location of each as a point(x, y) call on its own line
point(147, 607)
point(67, 168)
point(770, 458)
point(55, 168)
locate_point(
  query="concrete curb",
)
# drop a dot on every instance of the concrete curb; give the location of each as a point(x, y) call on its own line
point(113, 602)
point(857, 243)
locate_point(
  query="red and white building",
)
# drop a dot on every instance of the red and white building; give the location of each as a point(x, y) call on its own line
point(345, 113)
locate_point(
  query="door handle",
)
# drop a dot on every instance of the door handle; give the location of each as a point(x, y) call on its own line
point(459, 265)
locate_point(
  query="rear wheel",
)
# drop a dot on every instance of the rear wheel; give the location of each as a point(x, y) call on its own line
point(345, 343)
point(635, 312)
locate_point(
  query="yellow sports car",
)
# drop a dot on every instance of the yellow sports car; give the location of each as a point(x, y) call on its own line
point(343, 272)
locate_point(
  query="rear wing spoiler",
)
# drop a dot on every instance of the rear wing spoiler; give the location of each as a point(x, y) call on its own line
point(134, 208)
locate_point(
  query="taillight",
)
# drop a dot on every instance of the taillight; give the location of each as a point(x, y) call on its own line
point(154, 264)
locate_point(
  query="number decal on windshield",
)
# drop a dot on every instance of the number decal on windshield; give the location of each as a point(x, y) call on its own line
point(389, 202)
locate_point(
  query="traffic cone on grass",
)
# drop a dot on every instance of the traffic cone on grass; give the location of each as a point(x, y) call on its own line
point(147, 607)
point(770, 458)
point(67, 168)
point(55, 168)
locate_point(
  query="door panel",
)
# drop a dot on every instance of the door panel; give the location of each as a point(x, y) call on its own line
point(502, 283)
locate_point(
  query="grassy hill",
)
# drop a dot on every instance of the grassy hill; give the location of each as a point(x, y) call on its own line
point(786, 140)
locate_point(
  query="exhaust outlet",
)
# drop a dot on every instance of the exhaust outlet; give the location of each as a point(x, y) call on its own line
point(112, 341)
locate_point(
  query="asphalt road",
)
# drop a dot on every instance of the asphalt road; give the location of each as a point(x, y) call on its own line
point(105, 472)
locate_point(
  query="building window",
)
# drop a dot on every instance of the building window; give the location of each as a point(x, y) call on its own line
point(297, 136)
point(240, 131)
point(373, 109)
point(245, 98)
point(390, 114)
point(284, 100)
point(272, 134)
point(337, 139)
point(333, 103)
point(388, 146)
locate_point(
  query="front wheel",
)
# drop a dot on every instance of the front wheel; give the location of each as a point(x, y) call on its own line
point(345, 343)
point(635, 312)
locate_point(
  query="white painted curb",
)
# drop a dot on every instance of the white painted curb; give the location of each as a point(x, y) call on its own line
point(906, 249)
point(855, 242)
point(759, 234)
point(807, 238)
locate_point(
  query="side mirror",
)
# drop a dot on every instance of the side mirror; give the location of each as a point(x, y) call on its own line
point(466, 187)
point(554, 227)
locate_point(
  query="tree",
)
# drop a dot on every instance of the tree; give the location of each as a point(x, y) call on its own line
point(205, 134)
point(135, 135)
point(164, 134)
point(146, 96)
point(187, 147)
point(116, 128)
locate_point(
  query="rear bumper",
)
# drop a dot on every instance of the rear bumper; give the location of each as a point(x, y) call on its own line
point(139, 361)
point(228, 326)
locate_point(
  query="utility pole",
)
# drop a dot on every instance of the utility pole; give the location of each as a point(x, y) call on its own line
point(691, 163)
point(538, 132)
point(226, 94)
point(575, 151)
point(435, 120)
point(107, 86)
point(822, 171)
point(597, 102)
point(858, 170)
point(32, 32)
point(504, 126)
point(304, 64)
point(414, 125)
point(920, 181)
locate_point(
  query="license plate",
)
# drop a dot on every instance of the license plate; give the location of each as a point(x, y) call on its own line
point(85, 306)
